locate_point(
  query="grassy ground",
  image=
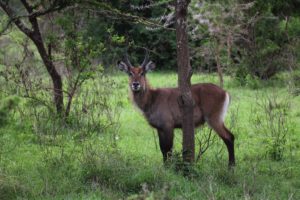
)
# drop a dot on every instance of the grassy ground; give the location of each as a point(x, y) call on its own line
point(125, 161)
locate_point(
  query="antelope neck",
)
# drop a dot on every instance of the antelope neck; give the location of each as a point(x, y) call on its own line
point(143, 98)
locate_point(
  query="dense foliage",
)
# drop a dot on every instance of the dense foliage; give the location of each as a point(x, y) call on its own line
point(257, 38)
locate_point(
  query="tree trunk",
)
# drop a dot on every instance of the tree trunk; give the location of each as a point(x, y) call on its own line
point(218, 61)
point(55, 76)
point(185, 100)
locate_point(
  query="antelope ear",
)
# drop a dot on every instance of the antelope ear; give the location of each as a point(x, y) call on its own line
point(123, 67)
point(149, 66)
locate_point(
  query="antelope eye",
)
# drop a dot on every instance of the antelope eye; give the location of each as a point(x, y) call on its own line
point(142, 73)
point(130, 74)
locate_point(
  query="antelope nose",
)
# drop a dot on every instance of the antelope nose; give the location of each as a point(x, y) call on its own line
point(135, 84)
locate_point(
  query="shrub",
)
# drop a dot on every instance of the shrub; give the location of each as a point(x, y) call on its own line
point(6, 105)
point(270, 118)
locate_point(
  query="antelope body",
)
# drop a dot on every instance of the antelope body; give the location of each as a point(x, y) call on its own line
point(161, 109)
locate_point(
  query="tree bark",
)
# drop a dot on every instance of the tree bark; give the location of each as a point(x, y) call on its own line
point(35, 35)
point(185, 99)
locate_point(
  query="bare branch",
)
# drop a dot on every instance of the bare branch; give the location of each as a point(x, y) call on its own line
point(32, 15)
point(113, 13)
point(151, 5)
point(205, 143)
point(55, 6)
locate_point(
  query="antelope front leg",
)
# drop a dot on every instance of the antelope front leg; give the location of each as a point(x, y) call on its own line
point(166, 142)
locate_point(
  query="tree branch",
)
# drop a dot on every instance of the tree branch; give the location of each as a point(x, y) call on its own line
point(55, 6)
point(15, 19)
point(27, 6)
point(107, 10)
point(32, 15)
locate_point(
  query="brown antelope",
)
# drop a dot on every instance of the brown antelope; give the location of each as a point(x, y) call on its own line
point(161, 109)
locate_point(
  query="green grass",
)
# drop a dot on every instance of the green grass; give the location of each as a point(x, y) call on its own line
point(125, 162)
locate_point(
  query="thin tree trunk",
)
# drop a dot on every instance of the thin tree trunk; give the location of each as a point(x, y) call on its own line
point(287, 19)
point(185, 100)
point(218, 61)
point(55, 76)
point(228, 43)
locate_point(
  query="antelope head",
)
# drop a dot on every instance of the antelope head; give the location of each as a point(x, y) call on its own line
point(137, 75)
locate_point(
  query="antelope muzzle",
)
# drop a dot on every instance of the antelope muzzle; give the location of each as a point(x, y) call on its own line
point(135, 86)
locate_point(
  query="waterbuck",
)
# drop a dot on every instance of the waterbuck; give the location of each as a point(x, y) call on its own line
point(160, 106)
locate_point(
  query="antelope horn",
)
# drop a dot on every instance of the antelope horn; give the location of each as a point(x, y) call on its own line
point(126, 60)
point(146, 59)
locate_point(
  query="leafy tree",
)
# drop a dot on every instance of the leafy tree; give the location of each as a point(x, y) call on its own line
point(268, 41)
point(78, 49)
point(68, 41)
point(28, 24)
point(248, 39)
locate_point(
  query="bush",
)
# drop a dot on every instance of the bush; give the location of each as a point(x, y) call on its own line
point(6, 105)
point(271, 122)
